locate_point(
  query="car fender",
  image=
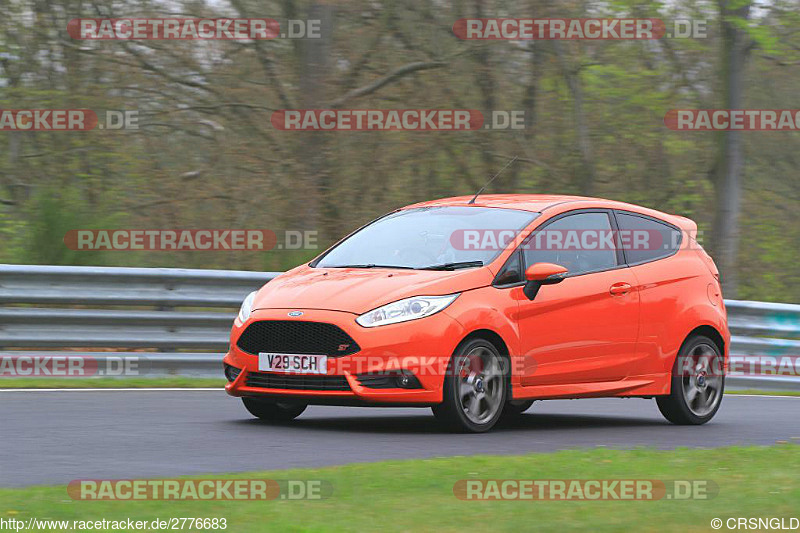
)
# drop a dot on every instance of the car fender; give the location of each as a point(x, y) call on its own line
point(486, 309)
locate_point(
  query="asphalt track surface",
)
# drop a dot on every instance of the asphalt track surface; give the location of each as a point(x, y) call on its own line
point(55, 437)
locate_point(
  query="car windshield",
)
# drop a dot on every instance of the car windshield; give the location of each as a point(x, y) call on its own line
point(436, 238)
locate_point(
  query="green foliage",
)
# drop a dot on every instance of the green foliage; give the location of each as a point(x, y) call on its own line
point(51, 215)
point(206, 156)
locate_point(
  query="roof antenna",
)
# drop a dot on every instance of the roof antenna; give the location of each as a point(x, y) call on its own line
point(491, 180)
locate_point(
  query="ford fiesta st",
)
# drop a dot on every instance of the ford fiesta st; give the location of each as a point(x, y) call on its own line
point(478, 306)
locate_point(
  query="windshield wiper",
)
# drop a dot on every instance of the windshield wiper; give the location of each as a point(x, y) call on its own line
point(454, 266)
point(371, 265)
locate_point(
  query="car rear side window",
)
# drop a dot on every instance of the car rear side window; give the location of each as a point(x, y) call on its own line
point(646, 239)
point(582, 242)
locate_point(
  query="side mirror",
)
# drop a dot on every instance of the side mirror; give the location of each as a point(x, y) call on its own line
point(539, 274)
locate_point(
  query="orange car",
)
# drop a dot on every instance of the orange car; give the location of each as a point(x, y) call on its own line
point(478, 307)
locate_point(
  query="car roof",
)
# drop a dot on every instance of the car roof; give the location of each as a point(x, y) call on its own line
point(556, 203)
point(525, 202)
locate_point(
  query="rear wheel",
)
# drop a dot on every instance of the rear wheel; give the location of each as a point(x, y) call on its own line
point(698, 382)
point(474, 388)
point(273, 411)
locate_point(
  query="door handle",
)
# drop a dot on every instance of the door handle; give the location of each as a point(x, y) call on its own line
point(618, 289)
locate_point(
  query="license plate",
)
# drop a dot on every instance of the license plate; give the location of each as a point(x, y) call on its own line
point(294, 363)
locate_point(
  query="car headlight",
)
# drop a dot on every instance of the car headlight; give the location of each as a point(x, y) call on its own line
point(247, 307)
point(403, 310)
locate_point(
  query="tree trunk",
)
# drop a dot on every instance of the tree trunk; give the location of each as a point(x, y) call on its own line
point(318, 209)
point(729, 163)
point(585, 180)
point(484, 78)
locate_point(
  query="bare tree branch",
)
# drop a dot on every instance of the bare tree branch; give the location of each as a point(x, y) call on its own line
point(394, 75)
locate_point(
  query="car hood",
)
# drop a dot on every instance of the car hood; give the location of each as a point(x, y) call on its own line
point(359, 290)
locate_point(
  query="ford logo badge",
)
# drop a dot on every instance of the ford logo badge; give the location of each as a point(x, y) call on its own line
point(295, 313)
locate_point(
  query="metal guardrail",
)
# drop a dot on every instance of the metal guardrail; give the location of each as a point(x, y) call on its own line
point(764, 329)
point(176, 318)
point(179, 319)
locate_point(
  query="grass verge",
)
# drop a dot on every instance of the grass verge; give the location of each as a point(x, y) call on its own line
point(763, 392)
point(418, 494)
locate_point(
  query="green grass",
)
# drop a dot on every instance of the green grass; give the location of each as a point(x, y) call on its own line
point(110, 383)
point(418, 494)
point(764, 392)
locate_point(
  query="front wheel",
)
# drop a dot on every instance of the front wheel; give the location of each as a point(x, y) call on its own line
point(514, 408)
point(698, 382)
point(474, 388)
point(273, 411)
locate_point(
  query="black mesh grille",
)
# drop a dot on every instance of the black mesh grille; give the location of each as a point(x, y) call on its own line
point(389, 380)
point(377, 381)
point(231, 372)
point(293, 336)
point(296, 381)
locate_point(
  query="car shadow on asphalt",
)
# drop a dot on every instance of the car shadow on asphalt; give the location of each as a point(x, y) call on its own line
point(426, 423)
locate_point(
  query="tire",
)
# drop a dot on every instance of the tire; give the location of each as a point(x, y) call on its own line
point(475, 388)
point(514, 408)
point(694, 397)
point(273, 411)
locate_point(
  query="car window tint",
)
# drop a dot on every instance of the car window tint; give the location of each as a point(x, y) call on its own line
point(583, 242)
point(511, 272)
point(645, 239)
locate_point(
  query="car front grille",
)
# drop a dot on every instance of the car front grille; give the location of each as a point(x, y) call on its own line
point(296, 382)
point(293, 336)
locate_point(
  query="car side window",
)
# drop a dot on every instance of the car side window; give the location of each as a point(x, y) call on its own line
point(511, 272)
point(583, 242)
point(645, 239)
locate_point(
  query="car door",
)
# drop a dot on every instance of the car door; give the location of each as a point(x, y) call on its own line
point(650, 247)
point(583, 329)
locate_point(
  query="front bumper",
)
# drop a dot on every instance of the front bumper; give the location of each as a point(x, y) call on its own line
point(420, 347)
